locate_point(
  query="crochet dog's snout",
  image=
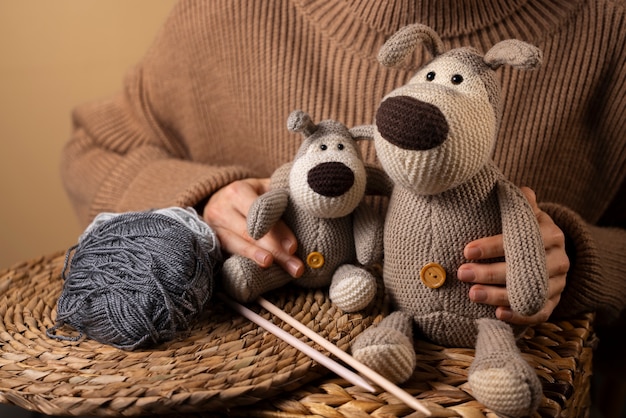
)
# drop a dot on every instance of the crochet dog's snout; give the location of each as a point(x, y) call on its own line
point(330, 179)
point(411, 124)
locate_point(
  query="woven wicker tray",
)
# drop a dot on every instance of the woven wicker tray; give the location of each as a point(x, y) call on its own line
point(229, 366)
point(224, 361)
point(560, 352)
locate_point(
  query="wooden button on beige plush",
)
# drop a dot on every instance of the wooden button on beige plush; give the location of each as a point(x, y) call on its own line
point(315, 260)
point(433, 275)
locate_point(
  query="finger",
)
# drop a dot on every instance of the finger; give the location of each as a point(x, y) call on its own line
point(282, 243)
point(233, 243)
point(507, 314)
point(497, 296)
point(292, 265)
point(230, 204)
point(264, 252)
point(483, 273)
point(530, 195)
point(490, 295)
point(279, 238)
point(241, 194)
point(495, 273)
point(556, 285)
point(553, 236)
point(557, 263)
point(555, 288)
point(260, 186)
point(226, 214)
point(485, 248)
point(227, 222)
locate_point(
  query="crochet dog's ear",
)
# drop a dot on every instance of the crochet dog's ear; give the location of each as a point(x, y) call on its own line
point(361, 132)
point(402, 44)
point(300, 121)
point(515, 53)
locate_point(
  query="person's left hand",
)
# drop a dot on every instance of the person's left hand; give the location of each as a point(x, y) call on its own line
point(490, 279)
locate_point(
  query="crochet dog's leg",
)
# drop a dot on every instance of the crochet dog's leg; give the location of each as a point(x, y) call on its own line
point(499, 377)
point(352, 288)
point(388, 347)
point(245, 281)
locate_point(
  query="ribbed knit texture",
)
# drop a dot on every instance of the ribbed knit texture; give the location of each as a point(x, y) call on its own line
point(222, 76)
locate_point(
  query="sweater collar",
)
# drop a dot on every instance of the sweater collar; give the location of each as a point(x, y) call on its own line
point(455, 20)
point(447, 17)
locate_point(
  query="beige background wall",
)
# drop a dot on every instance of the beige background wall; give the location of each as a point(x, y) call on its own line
point(54, 55)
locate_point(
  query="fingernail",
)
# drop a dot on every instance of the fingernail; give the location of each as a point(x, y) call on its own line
point(505, 314)
point(473, 253)
point(478, 295)
point(287, 246)
point(466, 275)
point(295, 268)
point(261, 257)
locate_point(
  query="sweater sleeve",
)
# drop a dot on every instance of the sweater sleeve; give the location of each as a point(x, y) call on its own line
point(114, 164)
point(99, 180)
point(596, 280)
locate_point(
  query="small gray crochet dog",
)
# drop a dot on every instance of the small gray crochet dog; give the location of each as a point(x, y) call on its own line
point(434, 137)
point(319, 195)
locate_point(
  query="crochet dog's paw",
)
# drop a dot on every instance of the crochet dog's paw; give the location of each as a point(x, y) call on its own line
point(237, 272)
point(387, 351)
point(513, 390)
point(499, 376)
point(352, 288)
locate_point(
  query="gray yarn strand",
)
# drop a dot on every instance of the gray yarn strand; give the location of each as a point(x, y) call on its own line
point(138, 278)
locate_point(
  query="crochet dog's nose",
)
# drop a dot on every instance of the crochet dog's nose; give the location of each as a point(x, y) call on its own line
point(330, 179)
point(411, 124)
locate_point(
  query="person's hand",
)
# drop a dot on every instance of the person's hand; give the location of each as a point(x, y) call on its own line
point(490, 279)
point(226, 213)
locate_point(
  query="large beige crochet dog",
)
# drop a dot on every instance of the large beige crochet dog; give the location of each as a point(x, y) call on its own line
point(434, 137)
point(319, 195)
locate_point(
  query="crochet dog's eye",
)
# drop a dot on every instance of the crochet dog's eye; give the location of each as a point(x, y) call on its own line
point(323, 147)
point(340, 147)
point(430, 76)
point(457, 79)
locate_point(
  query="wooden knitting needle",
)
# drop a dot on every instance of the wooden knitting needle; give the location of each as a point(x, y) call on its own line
point(346, 358)
point(319, 357)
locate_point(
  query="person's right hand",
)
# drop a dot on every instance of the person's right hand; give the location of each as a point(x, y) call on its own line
point(226, 213)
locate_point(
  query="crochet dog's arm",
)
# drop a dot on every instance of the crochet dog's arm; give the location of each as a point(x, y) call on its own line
point(378, 182)
point(526, 272)
point(266, 210)
point(368, 235)
point(280, 177)
point(270, 206)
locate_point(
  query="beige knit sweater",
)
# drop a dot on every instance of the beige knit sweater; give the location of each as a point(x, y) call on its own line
point(208, 104)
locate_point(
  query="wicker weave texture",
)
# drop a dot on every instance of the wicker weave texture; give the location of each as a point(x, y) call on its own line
point(229, 366)
point(224, 361)
point(560, 352)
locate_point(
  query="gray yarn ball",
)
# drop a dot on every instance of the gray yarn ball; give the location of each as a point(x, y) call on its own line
point(139, 278)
